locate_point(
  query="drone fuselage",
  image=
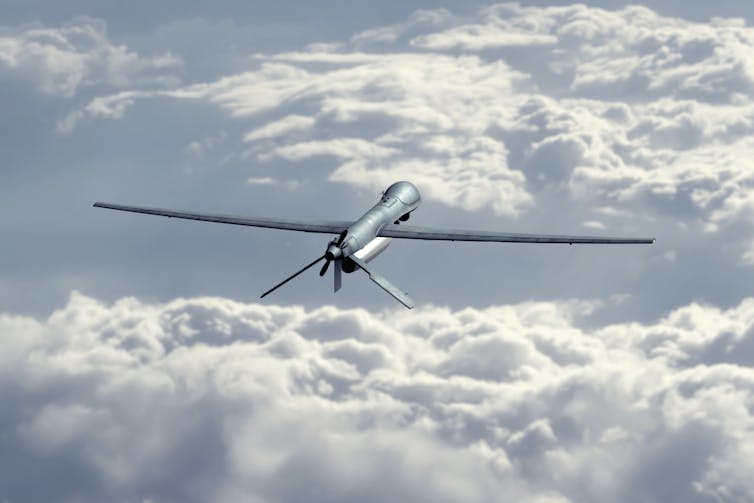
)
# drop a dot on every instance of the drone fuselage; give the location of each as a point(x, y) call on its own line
point(396, 203)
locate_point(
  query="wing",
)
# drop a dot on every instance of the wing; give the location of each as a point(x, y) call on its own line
point(414, 232)
point(319, 226)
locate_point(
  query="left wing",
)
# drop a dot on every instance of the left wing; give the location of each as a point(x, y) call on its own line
point(319, 226)
point(414, 232)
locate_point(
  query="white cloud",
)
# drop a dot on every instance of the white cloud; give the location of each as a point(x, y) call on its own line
point(107, 107)
point(265, 403)
point(62, 60)
point(594, 224)
point(266, 181)
point(344, 148)
point(200, 148)
point(500, 26)
point(283, 126)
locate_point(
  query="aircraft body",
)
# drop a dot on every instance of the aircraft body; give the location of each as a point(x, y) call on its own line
point(362, 240)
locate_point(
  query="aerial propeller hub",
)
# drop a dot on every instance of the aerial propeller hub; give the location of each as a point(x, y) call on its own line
point(333, 252)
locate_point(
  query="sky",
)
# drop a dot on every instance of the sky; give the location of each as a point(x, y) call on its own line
point(137, 362)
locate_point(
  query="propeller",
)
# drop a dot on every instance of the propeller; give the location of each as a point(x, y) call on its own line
point(324, 267)
point(333, 252)
point(342, 237)
point(286, 280)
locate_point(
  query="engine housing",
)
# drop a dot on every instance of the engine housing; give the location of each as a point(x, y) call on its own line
point(367, 254)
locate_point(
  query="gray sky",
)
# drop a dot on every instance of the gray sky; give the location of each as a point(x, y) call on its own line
point(594, 119)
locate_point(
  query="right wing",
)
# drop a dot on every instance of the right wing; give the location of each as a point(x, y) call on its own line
point(319, 226)
point(414, 232)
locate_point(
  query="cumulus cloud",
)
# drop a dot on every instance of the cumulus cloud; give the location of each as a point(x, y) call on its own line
point(210, 399)
point(62, 60)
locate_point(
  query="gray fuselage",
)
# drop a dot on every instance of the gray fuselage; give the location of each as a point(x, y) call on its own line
point(400, 199)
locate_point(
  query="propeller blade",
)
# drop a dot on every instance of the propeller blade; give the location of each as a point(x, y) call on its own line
point(338, 274)
point(342, 237)
point(286, 280)
point(324, 268)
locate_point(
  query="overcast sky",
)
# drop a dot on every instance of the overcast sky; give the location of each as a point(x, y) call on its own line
point(137, 363)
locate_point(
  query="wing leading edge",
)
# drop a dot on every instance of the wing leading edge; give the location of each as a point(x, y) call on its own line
point(318, 226)
point(391, 230)
point(414, 232)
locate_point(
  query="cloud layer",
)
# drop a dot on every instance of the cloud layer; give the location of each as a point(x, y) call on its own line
point(210, 399)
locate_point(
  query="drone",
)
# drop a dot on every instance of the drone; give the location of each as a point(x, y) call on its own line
point(360, 241)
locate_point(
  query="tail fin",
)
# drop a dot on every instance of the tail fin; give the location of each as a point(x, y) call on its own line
point(386, 285)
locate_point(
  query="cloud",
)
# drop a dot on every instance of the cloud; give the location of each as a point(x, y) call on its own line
point(61, 61)
point(266, 181)
point(347, 148)
point(212, 399)
point(281, 127)
point(594, 224)
point(499, 27)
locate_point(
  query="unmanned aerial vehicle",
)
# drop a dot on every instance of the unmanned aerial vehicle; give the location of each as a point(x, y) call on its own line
point(359, 241)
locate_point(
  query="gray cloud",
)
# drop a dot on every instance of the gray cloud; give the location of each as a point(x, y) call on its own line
point(210, 399)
